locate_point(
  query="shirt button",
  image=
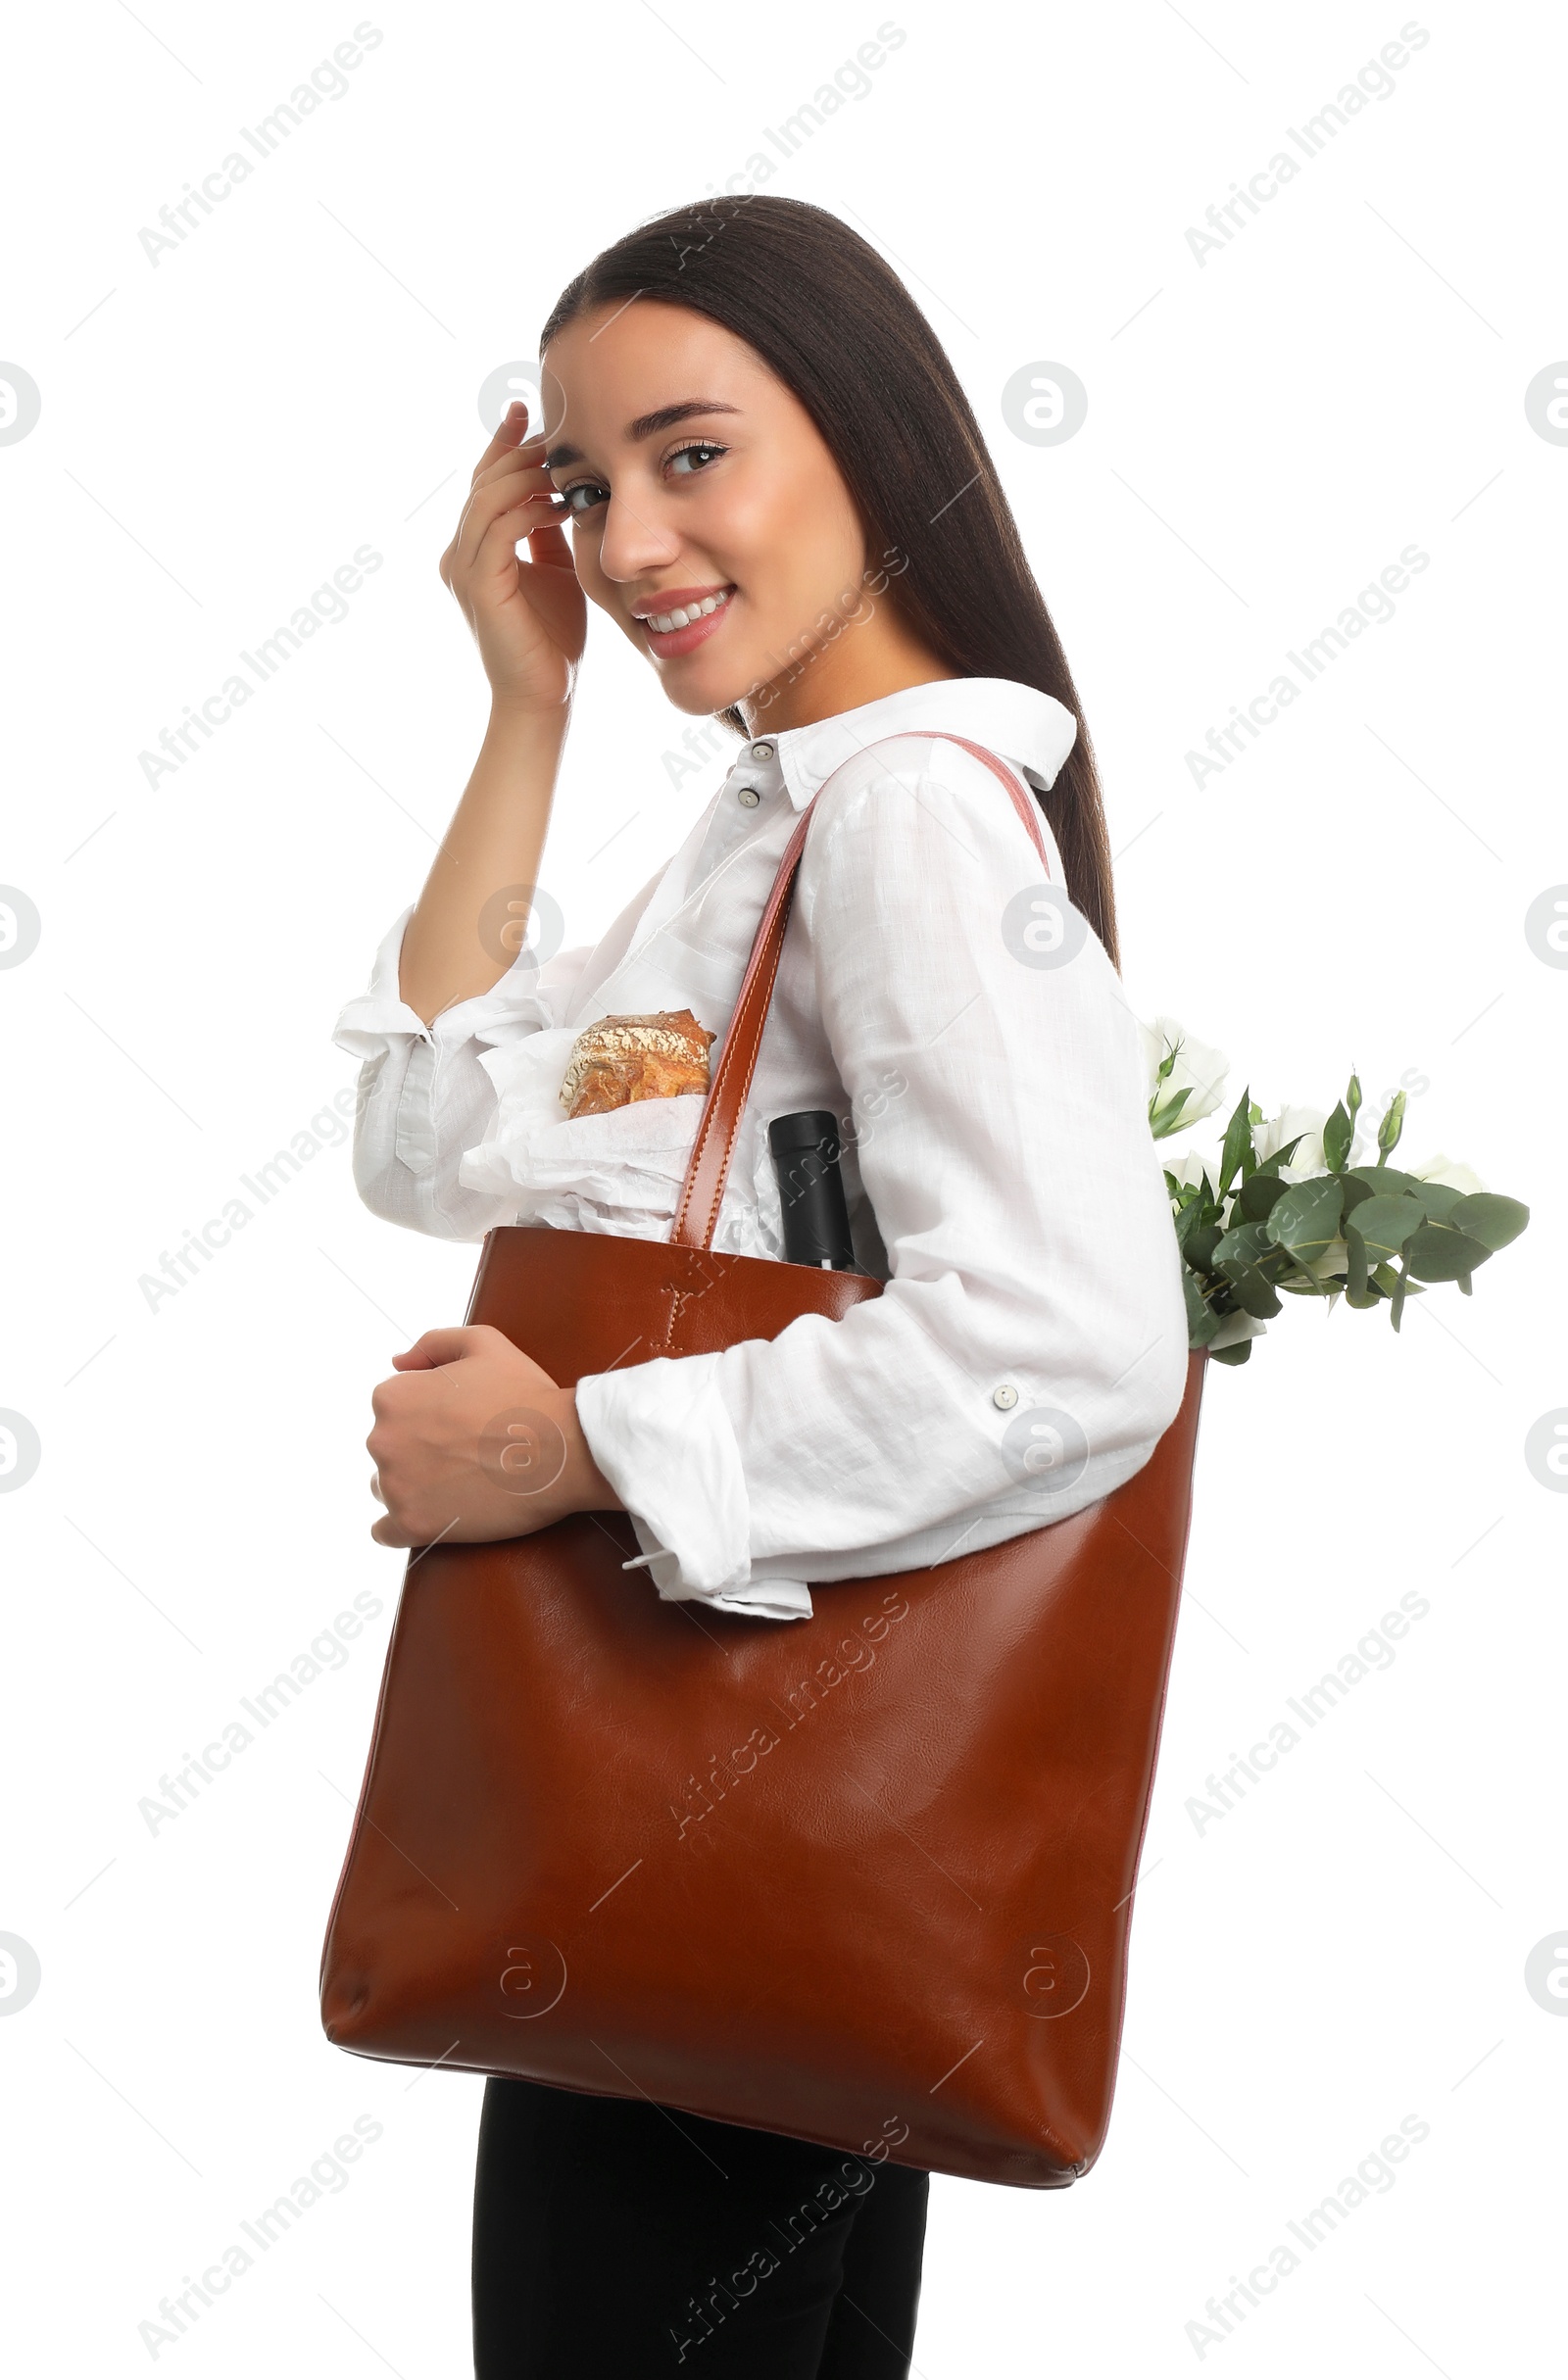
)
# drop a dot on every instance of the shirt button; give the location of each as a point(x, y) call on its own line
point(762, 752)
point(748, 796)
point(1004, 1397)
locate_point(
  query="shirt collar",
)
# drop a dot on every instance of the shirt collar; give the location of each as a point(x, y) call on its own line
point(1017, 723)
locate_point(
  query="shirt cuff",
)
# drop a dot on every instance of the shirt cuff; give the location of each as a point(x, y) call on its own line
point(662, 1436)
point(512, 1006)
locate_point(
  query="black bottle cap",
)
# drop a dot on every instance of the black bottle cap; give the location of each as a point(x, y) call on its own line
point(808, 1130)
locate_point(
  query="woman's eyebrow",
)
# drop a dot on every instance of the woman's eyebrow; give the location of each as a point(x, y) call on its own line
point(646, 425)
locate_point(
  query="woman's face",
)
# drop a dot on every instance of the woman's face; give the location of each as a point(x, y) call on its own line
point(696, 482)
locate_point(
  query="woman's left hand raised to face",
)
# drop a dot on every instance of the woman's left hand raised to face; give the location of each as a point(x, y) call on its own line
point(473, 1441)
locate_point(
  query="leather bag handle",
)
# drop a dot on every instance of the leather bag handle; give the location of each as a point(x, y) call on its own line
point(703, 1191)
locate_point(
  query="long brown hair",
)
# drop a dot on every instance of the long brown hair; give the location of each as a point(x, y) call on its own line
point(840, 329)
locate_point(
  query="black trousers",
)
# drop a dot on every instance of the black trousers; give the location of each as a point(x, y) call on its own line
point(612, 2237)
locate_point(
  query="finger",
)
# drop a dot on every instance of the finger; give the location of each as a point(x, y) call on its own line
point(444, 1347)
point(493, 563)
point(513, 474)
point(513, 430)
point(488, 506)
point(511, 492)
point(529, 456)
point(547, 540)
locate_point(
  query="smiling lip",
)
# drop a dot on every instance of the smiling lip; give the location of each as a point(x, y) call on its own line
point(670, 644)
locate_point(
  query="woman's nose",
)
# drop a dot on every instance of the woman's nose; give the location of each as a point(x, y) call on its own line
point(634, 541)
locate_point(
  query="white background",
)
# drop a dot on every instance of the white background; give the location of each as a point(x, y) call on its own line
point(1266, 430)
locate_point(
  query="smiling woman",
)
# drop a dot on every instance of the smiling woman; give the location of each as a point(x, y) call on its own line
point(759, 499)
point(775, 488)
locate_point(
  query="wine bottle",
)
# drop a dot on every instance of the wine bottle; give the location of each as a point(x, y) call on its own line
point(810, 1189)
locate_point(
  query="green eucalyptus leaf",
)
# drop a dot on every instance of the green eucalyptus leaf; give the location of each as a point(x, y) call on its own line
point(1200, 1245)
point(1437, 1253)
point(1244, 1243)
point(1357, 1292)
point(1308, 1217)
point(1237, 1257)
point(1438, 1198)
point(1202, 1320)
point(1254, 1294)
point(1396, 1303)
point(1489, 1218)
point(1386, 1180)
point(1386, 1224)
point(1259, 1191)
point(1236, 1354)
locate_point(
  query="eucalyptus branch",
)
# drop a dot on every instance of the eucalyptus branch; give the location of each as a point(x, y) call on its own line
point(1401, 1232)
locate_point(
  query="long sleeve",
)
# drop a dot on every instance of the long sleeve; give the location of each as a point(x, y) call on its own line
point(1030, 1345)
point(425, 1097)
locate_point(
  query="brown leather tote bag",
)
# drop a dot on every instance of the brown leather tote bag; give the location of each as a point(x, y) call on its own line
point(864, 1878)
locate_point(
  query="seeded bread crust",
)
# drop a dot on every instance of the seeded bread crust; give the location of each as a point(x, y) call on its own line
point(621, 1059)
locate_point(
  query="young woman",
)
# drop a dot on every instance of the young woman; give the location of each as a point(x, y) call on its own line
point(776, 490)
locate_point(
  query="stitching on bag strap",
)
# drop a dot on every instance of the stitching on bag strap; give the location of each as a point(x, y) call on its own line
point(741, 1045)
point(775, 950)
point(731, 1084)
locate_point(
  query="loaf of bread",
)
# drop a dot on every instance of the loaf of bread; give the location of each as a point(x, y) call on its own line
point(624, 1059)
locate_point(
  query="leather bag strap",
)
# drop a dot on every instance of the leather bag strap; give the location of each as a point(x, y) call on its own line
point(703, 1191)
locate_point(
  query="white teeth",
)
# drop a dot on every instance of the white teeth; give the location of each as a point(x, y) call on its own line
point(665, 623)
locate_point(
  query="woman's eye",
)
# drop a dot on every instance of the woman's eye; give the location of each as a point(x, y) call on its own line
point(697, 455)
point(584, 494)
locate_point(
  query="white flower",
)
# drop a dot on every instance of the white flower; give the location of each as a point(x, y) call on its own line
point(1191, 1165)
point(1199, 1070)
point(1448, 1170)
point(1276, 1131)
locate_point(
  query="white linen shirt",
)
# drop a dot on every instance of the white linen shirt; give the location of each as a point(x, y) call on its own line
point(1030, 1344)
